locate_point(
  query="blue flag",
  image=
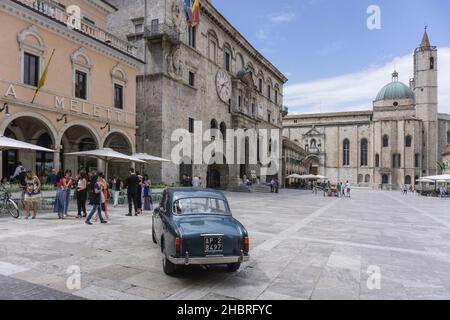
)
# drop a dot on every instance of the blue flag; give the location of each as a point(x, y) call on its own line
point(186, 5)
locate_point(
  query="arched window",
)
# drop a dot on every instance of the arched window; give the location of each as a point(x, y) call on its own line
point(346, 155)
point(227, 57)
point(377, 161)
point(364, 152)
point(367, 178)
point(448, 137)
point(212, 46)
point(385, 179)
point(432, 63)
point(360, 178)
point(408, 180)
point(408, 141)
point(313, 143)
point(385, 141)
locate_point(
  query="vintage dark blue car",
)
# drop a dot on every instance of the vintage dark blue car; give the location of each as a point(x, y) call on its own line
point(196, 227)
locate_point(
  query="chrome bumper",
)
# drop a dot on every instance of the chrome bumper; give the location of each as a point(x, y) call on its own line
point(209, 260)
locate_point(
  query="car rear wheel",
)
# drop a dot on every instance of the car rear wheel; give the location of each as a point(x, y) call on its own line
point(233, 267)
point(168, 267)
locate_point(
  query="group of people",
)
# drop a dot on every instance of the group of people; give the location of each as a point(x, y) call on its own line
point(340, 190)
point(90, 187)
point(442, 191)
point(344, 189)
point(138, 193)
point(406, 189)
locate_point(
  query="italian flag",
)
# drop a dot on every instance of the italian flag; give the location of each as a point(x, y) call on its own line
point(196, 13)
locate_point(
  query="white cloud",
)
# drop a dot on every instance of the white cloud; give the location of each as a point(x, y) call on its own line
point(356, 91)
point(262, 35)
point(282, 17)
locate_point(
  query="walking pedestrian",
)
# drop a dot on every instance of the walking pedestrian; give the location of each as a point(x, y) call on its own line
point(339, 188)
point(96, 201)
point(68, 184)
point(132, 183)
point(347, 189)
point(105, 195)
point(139, 193)
point(82, 185)
point(117, 188)
point(32, 193)
point(148, 201)
point(60, 195)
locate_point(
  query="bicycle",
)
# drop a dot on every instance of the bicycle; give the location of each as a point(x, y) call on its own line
point(7, 205)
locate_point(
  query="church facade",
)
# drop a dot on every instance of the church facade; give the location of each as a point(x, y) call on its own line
point(401, 139)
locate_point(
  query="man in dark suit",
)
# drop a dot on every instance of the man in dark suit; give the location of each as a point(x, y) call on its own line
point(132, 183)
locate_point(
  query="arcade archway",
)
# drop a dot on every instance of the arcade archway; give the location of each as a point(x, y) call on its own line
point(78, 138)
point(218, 175)
point(120, 143)
point(32, 129)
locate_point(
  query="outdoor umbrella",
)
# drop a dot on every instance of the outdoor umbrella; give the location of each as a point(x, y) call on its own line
point(425, 180)
point(311, 177)
point(148, 158)
point(294, 176)
point(12, 144)
point(440, 178)
point(107, 155)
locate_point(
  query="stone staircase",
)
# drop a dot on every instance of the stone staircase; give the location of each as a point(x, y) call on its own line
point(258, 188)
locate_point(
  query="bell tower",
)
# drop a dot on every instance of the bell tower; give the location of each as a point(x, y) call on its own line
point(426, 94)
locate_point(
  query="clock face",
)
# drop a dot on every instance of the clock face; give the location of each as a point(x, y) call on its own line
point(223, 85)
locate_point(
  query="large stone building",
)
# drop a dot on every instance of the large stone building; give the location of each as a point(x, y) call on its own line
point(89, 98)
point(209, 73)
point(399, 140)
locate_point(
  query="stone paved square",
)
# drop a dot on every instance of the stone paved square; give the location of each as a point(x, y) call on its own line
point(303, 247)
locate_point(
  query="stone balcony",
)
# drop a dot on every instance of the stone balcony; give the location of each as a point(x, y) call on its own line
point(56, 12)
point(157, 30)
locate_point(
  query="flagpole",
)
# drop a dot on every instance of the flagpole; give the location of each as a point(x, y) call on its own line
point(41, 81)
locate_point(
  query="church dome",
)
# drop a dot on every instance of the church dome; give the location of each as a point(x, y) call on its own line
point(395, 90)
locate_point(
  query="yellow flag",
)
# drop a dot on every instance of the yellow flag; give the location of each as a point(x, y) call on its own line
point(43, 78)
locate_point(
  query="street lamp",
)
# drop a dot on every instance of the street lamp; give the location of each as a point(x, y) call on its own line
point(5, 108)
point(107, 125)
point(63, 117)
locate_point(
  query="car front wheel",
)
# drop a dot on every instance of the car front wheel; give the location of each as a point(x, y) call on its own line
point(233, 267)
point(153, 236)
point(168, 267)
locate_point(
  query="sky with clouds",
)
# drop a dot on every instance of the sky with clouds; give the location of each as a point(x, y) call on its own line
point(333, 61)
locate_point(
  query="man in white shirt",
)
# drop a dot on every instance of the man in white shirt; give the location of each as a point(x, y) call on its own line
point(18, 170)
point(196, 182)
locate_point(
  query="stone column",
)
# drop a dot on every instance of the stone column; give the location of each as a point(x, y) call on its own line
point(56, 159)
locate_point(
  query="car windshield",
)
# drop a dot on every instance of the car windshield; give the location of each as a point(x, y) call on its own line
point(200, 206)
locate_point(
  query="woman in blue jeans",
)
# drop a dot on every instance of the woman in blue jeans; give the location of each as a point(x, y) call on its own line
point(95, 201)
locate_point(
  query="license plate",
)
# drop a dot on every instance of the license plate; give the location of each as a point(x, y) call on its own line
point(213, 244)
